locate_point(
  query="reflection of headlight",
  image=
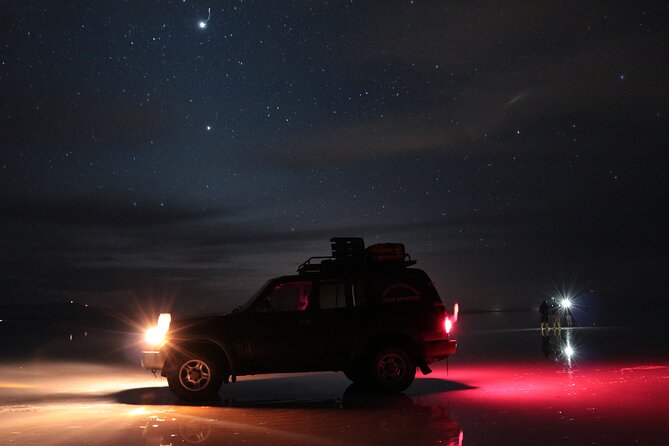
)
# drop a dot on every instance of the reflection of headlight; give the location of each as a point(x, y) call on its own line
point(156, 335)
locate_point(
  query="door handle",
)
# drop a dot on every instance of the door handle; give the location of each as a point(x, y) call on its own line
point(303, 322)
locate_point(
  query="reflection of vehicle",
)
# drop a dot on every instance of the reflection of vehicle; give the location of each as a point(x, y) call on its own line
point(363, 311)
point(361, 419)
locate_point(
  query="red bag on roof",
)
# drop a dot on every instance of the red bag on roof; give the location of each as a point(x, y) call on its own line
point(386, 252)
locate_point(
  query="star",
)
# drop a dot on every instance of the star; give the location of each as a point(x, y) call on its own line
point(203, 23)
point(208, 128)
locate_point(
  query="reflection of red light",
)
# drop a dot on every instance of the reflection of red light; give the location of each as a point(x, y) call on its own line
point(602, 402)
point(529, 386)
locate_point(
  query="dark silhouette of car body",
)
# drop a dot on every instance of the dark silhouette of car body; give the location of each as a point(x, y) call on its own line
point(363, 311)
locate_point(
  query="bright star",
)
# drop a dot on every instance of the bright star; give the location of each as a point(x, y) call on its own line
point(208, 127)
point(203, 23)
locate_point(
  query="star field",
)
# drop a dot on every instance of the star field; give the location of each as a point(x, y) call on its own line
point(188, 148)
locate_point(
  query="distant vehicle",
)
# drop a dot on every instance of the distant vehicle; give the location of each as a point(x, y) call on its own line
point(363, 311)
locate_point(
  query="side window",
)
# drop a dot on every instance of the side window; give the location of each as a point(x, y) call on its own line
point(332, 295)
point(400, 292)
point(291, 296)
point(359, 294)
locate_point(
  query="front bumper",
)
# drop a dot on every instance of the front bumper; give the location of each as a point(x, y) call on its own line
point(153, 360)
point(437, 350)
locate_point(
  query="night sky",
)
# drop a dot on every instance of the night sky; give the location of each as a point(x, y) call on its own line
point(515, 148)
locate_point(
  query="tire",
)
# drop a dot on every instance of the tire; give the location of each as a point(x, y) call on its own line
point(195, 377)
point(390, 370)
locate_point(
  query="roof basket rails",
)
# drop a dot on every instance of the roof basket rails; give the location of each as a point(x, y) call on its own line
point(309, 265)
point(350, 254)
point(347, 252)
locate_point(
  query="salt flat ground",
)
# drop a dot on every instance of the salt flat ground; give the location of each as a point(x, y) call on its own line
point(507, 384)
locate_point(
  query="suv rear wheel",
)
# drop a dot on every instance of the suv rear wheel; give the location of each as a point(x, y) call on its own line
point(391, 369)
point(195, 377)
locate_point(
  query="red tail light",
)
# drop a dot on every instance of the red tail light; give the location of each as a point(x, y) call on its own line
point(448, 325)
point(449, 321)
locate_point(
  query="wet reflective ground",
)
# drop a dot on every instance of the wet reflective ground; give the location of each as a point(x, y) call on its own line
point(580, 386)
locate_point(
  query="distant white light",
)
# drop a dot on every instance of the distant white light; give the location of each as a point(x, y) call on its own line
point(568, 351)
point(566, 303)
point(208, 127)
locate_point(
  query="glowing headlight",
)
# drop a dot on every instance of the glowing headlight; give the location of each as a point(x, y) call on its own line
point(156, 335)
point(566, 303)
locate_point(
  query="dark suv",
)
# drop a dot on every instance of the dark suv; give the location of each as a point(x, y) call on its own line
point(363, 311)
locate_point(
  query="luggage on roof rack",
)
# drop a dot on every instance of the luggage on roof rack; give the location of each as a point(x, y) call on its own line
point(347, 247)
point(349, 255)
point(386, 252)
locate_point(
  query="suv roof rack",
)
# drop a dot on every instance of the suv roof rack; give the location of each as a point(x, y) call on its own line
point(350, 255)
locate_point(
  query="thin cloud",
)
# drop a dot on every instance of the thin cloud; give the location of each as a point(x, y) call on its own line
point(107, 212)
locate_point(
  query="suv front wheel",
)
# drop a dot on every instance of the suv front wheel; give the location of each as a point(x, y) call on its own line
point(391, 370)
point(195, 377)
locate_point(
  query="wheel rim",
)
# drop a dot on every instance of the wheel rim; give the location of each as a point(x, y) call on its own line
point(391, 368)
point(195, 375)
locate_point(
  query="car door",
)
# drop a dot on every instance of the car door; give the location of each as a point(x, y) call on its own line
point(280, 332)
point(337, 320)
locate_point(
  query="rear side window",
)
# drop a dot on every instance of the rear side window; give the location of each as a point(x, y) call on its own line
point(332, 295)
point(359, 294)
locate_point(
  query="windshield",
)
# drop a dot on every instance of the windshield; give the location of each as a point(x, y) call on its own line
point(252, 299)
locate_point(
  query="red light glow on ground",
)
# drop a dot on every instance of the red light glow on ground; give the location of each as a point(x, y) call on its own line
point(536, 384)
point(604, 403)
